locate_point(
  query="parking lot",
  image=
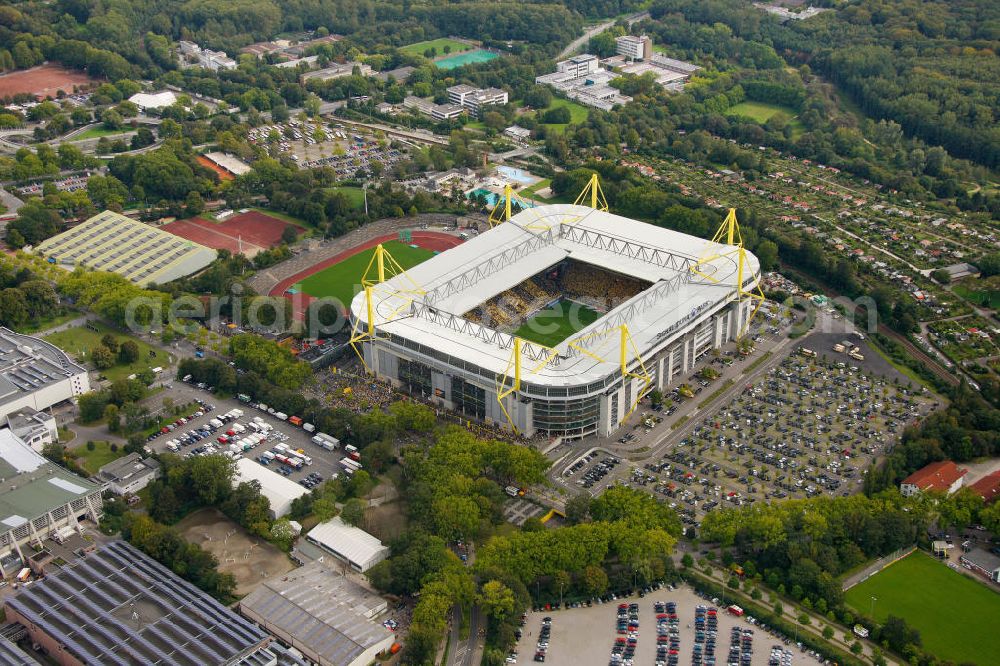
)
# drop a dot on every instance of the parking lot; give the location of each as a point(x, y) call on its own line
point(809, 427)
point(588, 635)
point(324, 462)
point(314, 144)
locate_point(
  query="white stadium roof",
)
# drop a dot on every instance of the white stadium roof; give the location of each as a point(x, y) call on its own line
point(463, 277)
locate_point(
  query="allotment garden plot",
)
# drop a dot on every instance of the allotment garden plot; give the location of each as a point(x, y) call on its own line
point(808, 428)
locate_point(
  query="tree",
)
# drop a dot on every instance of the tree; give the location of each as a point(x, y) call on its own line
point(767, 253)
point(128, 352)
point(496, 599)
point(594, 580)
point(941, 276)
point(289, 234)
point(194, 204)
point(324, 509)
point(112, 418)
point(687, 560)
point(102, 357)
point(578, 508)
point(353, 512)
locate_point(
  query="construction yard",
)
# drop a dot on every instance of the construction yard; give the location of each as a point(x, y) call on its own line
point(248, 558)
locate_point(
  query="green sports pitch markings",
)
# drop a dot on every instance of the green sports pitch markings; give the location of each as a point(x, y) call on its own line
point(554, 324)
point(343, 279)
point(956, 616)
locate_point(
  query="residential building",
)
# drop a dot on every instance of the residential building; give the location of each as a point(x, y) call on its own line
point(119, 606)
point(279, 490)
point(944, 476)
point(321, 613)
point(34, 428)
point(634, 48)
point(35, 374)
point(336, 71)
point(111, 242)
point(193, 55)
point(38, 500)
point(439, 112)
point(517, 133)
point(352, 544)
point(982, 562)
point(988, 487)
point(474, 99)
point(578, 66)
point(129, 475)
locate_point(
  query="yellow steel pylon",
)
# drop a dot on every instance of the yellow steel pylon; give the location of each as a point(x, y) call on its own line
point(381, 268)
point(594, 193)
point(510, 381)
point(625, 344)
point(729, 235)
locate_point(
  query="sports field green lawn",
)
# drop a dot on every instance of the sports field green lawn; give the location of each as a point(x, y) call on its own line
point(79, 342)
point(761, 112)
point(552, 325)
point(985, 297)
point(355, 194)
point(92, 461)
point(343, 280)
point(98, 132)
point(956, 616)
point(439, 44)
point(577, 113)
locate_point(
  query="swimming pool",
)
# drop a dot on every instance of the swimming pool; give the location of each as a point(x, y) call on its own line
point(492, 197)
point(467, 58)
point(517, 175)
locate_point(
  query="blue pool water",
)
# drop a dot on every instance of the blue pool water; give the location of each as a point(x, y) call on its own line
point(517, 175)
point(492, 197)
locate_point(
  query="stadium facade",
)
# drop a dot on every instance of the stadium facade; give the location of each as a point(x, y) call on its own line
point(457, 328)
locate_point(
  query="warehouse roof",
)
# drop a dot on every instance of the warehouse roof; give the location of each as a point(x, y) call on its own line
point(12, 655)
point(326, 613)
point(126, 468)
point(424, 305)
point(158, 100)
point(935, 476)
point(28, 364)
point(983, 559)
point(276, 488)
point(119, 606)
point(30, 485)
point(112, 242)
point(349, 542)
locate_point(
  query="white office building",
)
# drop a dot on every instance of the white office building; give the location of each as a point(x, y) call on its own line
point(36, 374)
point(578, 66)
point(634, 48)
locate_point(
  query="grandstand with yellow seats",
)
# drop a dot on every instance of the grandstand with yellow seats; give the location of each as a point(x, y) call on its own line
point(664, 298)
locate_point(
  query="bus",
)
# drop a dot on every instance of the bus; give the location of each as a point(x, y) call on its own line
point(807, 352)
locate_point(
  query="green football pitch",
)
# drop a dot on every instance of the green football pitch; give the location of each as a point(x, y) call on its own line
point(956, 616)
point(554, 324)
point(343, 279)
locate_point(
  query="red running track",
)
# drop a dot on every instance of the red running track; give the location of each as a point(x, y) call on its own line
point(429, 240)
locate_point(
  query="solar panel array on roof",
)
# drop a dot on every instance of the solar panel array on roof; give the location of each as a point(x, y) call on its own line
point(118, 606)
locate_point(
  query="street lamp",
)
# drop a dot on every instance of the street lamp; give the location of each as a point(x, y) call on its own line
point(874, 599)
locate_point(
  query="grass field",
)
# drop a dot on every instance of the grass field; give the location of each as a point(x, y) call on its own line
point(49, 322)
point(554, 324)
point(577, 113)
point(439, 44)
point(956, 616)
point(342, 280)
point(94, 460)
point(761, 112)
point(78, 342)
point(98, 132)
point(355, 194)
point(985, 298)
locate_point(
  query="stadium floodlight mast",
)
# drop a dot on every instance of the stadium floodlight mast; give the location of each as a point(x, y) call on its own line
point(729, 236)
point(381, 268)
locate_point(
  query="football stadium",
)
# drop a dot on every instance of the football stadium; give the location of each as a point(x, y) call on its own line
point(558, 320)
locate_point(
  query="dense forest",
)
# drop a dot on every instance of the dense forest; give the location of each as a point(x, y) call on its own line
point(929, 65)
